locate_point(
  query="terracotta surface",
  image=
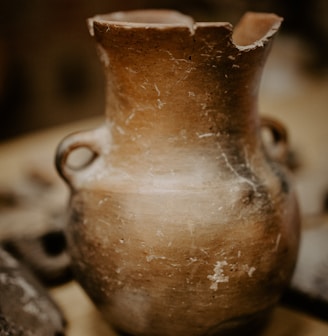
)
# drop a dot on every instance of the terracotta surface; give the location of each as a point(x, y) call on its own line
point(168, 216)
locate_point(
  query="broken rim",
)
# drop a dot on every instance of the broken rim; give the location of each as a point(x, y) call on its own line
point(252, 30)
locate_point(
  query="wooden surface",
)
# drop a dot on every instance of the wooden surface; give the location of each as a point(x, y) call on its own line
point(301, 103)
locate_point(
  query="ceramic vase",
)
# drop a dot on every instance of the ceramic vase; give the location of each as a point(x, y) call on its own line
point(182, 222)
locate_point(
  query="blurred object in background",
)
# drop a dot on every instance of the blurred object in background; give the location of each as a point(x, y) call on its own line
point(32, 219)
point(49, 71)
point(26, 308)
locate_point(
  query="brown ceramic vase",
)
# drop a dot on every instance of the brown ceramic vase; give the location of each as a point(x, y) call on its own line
point(183, 222)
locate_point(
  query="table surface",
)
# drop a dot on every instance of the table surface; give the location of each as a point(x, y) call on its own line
point(84, 319)
point(300, 105)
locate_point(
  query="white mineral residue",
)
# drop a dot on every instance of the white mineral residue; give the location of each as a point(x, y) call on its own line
point(154, 257)
point(249, 270)
point(218, 276)
point(277, 242)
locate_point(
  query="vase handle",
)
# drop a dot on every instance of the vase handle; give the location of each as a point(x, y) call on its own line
point(84, 139)
point(277, 147)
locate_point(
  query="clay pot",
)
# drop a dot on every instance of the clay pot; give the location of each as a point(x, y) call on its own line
point(182, 222)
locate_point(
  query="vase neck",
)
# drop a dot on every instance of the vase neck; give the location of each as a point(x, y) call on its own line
point(182, 81)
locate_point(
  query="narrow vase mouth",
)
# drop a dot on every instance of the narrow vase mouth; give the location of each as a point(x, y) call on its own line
point(253, 29)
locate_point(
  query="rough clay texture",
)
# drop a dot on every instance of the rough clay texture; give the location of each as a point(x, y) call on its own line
point(182, 224)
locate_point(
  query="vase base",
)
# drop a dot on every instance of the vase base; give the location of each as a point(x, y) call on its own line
point(247, 326)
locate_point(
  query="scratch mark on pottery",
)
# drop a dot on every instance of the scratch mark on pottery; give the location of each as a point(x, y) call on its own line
point(244, 179)
point(120, 130)
point(130, 70)
point(102, 221)
point(172, 58)
point(175, 265)
point(160, 104)
point(103, 56)
point(157, 90)
point(277, 243)
point(248, 165)
point(203, 105)
point(204, 251)
point(192, 260)
point(249, 270)
point(129, 118)
point(159, 233)
point(184, 77)
point(154, 257)
point(218, 276)
point(205, 135)
point(102, 201)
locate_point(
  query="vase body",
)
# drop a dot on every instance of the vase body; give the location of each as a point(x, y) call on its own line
point(183, 223)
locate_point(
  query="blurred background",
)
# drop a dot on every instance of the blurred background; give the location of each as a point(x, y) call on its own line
point(50, 73)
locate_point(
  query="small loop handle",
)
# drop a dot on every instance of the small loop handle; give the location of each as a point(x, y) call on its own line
point(84, 139)
point(279, 147)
